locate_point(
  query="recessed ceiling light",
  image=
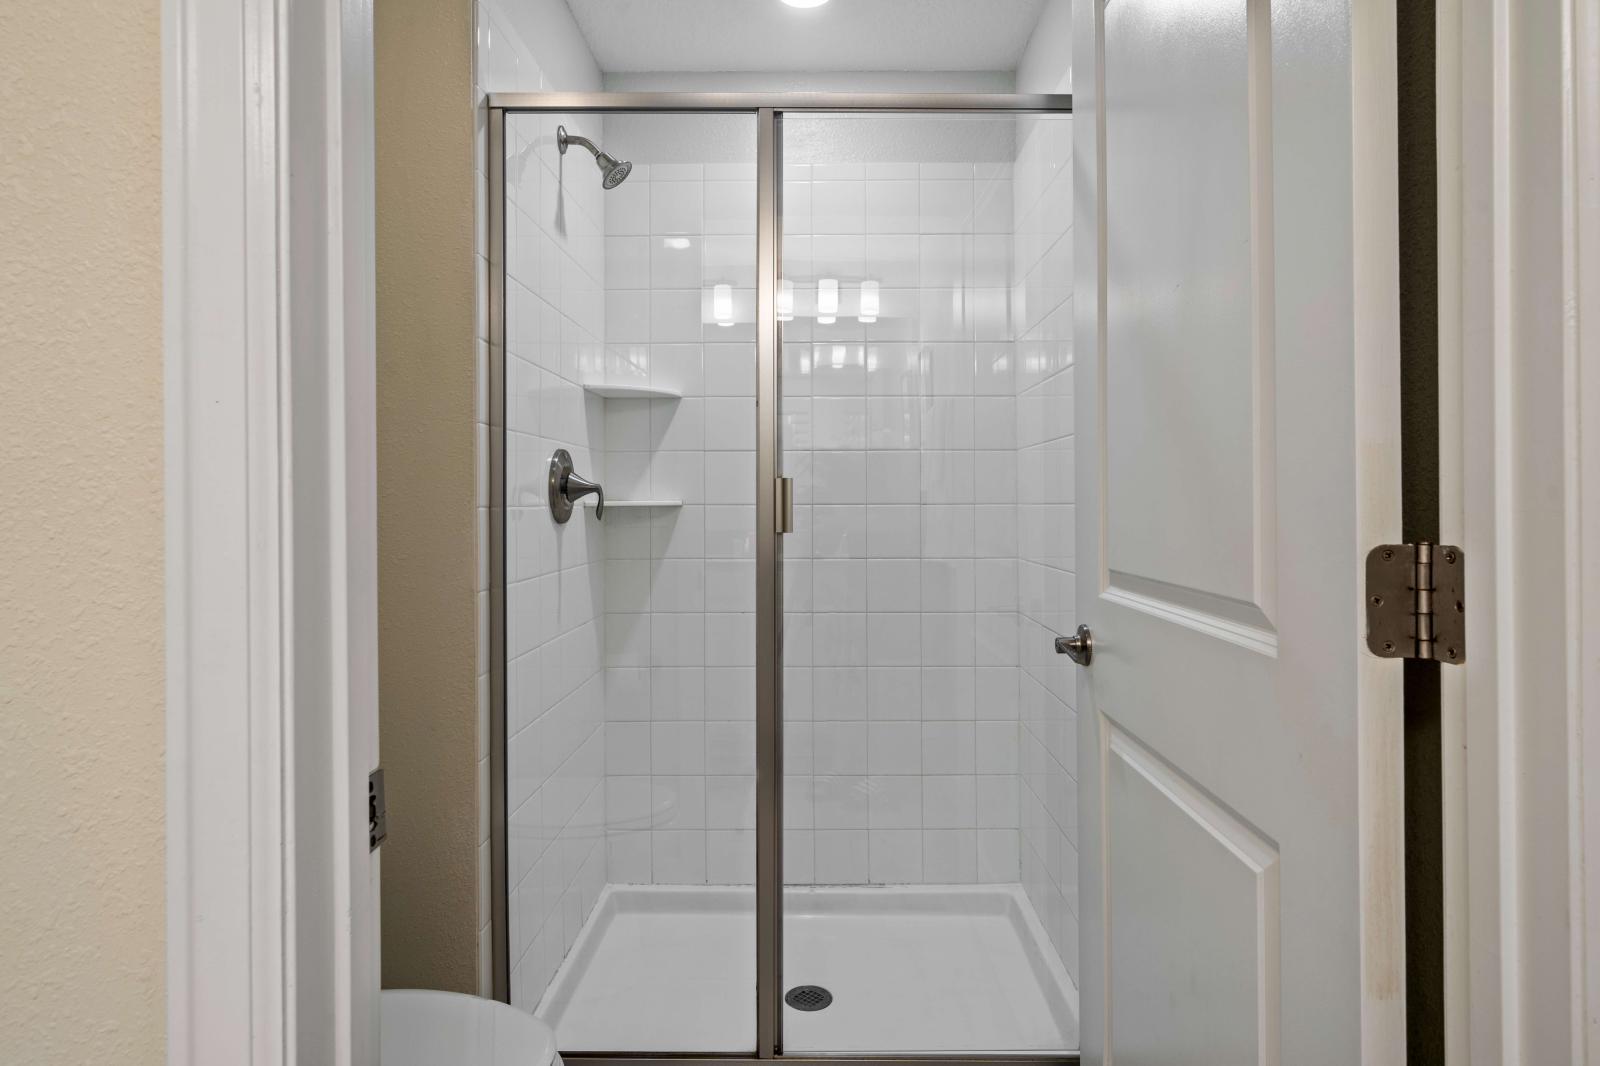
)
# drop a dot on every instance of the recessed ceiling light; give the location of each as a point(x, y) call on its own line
point(805, 3)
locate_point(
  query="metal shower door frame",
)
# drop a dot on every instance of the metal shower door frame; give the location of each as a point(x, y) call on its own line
point(768, 110)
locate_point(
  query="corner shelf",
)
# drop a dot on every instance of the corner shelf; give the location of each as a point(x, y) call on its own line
point(632, 392)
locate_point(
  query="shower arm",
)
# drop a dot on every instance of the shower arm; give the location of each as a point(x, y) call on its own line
point(576, 138)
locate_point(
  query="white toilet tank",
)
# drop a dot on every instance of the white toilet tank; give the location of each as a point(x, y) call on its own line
point(426, 1028)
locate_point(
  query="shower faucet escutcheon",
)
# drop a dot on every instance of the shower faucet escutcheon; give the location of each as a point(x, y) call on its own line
point(567, 487)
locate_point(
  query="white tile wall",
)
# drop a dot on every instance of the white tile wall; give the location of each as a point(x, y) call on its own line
point(555, 318)
point(680, 653)
point(1042, 310)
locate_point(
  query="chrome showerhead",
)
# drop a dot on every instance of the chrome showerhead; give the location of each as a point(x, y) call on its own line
point(613, 171)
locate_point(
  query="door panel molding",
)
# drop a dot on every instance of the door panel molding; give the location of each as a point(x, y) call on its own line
point(1255, 856)
point(1223, 560)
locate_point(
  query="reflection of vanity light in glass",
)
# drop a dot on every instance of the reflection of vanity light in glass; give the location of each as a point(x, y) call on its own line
point(785, 300)
point(869, 302)
point(827, 300)
point(677, 244)
point(722, 305)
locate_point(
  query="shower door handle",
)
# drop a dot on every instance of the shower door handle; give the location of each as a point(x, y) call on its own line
point(784, 511)
point(566, 487)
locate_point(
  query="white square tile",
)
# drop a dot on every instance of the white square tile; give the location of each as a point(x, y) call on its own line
point(950, 856)
point(628, 748)
point(839, 693)
point(677, 802)
point(998, 804)
point(893, 531)
point(892, 207)
point(841, 856)
point(996, 748)
point(729, 260)
point(839, 477)
point(627, 262)
point(731, 693)
point(949, 639)
point(730, 748)
point(894, 422)
point(730, 207)
point(841, 531)
point(895, 856)
point(674, 316)
point(894, 477)
point(949, 693)
point(948, 748)
point(893, 585)
point(841, 802)
point(998, 860)
point(731, 857)
point(730, 423)
point(676, 207)
point(676, 747)
point(894, 260)
point(730, 370)
point(946, 206)
point(628, 858)
point(949, 802)
point(893, 639)
point(895, 748)
point(674, 262)
point(628, 209)
point(838, 207)
point(678, 857)
point(731, 802)
point(894, 693)
point(840, 748)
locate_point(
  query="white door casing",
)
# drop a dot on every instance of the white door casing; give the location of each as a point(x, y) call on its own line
point(1237, 393)
point(271, 533)
point(1519, 405)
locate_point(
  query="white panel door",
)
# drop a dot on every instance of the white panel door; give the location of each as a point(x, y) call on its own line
point(1237, 412)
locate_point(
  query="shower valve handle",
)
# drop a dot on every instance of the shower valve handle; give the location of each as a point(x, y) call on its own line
point(567, 487)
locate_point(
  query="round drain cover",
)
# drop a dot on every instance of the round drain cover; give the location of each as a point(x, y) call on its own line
point(808, 997)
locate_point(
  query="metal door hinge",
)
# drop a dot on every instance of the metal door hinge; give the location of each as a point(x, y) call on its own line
point(377, 811)
point(1416, 603)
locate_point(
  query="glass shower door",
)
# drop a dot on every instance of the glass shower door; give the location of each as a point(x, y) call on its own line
point(928, 815)
point(629, 655)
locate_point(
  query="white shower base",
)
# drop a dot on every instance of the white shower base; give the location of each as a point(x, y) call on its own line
point(913, 969)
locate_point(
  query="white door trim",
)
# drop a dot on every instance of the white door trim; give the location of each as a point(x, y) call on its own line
point(1519, 166)
point(270, 492)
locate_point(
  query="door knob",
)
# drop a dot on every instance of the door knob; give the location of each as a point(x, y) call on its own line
point(1079, 647)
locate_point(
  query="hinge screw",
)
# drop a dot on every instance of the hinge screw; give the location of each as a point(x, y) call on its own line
point(1450, 653)
point(1388, 645)
point(1449, 557)
point(1377, 601)
point(1388, 554)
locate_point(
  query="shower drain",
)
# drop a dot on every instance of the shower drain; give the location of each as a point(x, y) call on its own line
point(808, 997)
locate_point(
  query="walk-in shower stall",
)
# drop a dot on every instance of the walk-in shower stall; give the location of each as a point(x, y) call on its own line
point(781, 497)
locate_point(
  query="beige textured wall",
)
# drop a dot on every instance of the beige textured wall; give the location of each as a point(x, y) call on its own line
point(81, 641)
point(427, 539)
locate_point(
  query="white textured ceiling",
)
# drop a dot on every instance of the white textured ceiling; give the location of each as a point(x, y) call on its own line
point(767, 35)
